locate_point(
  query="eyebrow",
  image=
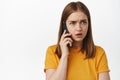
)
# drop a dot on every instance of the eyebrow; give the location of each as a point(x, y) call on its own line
point(76, 20)
point(84, 20)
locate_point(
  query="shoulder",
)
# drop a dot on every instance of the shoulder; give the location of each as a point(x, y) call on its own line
point(101, 60)
point(51, 49)
point(52, 46)
point(99, 51)
point(51, 59)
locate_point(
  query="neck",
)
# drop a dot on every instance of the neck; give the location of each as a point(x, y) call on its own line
point(77, 44)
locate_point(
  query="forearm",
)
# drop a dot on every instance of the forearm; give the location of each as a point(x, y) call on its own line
point(60, 72)
point(104, 76)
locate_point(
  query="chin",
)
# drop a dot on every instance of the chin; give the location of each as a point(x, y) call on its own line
point(78, 40)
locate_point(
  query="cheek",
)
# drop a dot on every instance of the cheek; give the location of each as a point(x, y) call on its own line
point(71, 31)
point(85, 31)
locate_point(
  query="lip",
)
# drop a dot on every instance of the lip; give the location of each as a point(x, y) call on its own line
point(79, 35)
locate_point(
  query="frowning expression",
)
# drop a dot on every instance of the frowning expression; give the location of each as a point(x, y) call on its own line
point(77, 25)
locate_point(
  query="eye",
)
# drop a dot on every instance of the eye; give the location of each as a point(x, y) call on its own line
point(83, 22)
point(72, 23)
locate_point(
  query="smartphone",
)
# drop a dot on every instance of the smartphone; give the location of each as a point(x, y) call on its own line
point(64, 27)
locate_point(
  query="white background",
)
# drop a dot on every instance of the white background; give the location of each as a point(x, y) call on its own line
point(28, 27)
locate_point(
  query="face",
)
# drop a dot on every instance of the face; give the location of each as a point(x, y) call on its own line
point(77, 24)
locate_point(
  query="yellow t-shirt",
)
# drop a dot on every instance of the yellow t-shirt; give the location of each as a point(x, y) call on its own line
point(78, 67)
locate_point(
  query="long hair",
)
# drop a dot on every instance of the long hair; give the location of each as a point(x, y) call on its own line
point(88, 44)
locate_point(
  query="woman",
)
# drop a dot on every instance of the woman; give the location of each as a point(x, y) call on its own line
point(76, 57)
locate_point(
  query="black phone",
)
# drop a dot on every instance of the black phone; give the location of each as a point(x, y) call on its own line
point(64, 27)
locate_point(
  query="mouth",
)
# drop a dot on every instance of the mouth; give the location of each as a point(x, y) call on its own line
point(79, 35)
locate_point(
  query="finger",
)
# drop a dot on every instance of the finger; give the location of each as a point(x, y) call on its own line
point(67, 35)
point(64, 32)
point(67, 39)
point(68, 43)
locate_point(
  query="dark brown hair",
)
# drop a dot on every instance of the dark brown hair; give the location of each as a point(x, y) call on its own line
point(88, 44)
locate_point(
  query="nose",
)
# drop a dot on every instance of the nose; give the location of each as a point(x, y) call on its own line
point(78, 27)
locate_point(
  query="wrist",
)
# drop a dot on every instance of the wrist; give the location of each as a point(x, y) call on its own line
point(64, 56)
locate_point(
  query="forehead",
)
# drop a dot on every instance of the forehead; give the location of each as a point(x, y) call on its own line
point(78, 15)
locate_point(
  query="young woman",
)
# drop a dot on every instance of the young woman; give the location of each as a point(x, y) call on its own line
point(75, 56)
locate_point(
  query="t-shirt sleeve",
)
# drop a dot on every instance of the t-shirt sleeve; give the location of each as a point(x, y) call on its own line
point(50, 59)
point(102, 62)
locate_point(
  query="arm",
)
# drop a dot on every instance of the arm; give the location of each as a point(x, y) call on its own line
point(104, 76)
point(60, 72)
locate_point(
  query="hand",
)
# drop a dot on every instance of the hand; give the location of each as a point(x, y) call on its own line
point(65, 41)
